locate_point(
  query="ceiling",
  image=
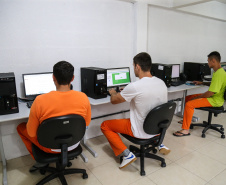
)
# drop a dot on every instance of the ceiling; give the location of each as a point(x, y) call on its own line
point(214, 9)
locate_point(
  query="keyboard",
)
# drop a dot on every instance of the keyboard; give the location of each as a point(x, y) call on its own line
point(177, 83)
point(29, 104)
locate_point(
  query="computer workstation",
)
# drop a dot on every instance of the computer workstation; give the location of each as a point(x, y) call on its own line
point(35, 84)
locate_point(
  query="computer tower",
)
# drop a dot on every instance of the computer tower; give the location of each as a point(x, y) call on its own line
point(162, 71)
point(196, 71)
point(94, 82)
point(8, 95)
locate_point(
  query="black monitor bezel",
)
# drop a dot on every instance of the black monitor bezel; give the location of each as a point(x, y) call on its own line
point(122, 84)
point(172, 71)
point(32, 97)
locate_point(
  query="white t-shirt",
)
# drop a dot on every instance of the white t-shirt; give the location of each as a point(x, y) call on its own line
point(143, 95)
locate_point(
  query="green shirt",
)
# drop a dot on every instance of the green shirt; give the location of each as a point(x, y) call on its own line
point(217, 86)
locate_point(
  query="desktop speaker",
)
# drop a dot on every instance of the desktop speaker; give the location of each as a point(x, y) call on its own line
point(8, 95)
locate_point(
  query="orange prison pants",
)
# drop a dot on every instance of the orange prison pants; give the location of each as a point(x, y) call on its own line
point(22, 131)
point(189, 109)
point(111, 128)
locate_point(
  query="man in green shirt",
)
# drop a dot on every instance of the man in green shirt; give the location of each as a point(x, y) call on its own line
point(214, 97)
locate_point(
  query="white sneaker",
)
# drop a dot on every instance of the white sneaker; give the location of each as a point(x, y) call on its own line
point(163, 149)
point(127, 160)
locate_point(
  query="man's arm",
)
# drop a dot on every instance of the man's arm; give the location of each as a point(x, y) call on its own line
point(201, 83)
point(33, 121)
point(88, 116)
point(207, 94)
point(116, 97)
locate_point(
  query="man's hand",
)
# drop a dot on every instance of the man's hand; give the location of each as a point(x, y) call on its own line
point(121, 88)
point(116, 97)
point(197, 82)
point(112, 91)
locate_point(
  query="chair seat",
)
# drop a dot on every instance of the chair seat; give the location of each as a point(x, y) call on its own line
point(140, 141)
point(42, 157)
point(216, 110)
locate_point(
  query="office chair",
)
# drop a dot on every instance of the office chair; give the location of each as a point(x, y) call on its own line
point(59, 133)
point(208, 125)
point(156, 122)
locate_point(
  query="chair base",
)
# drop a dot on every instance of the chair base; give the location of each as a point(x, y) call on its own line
point(55, 172)
point(208, 126)
point(144, 152)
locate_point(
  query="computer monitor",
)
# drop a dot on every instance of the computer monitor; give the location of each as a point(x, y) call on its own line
point(38, 83)
point(175, 71)
point(118, 76)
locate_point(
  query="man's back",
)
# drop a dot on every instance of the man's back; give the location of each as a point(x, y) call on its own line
point(144, 95)
point(55, 104)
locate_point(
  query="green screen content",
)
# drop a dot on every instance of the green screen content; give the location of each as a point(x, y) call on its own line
point(120, 78)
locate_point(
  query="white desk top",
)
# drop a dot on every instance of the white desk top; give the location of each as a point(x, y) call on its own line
point(170, 90)
point(23, 113)
point(182, 88)
point(99, 101)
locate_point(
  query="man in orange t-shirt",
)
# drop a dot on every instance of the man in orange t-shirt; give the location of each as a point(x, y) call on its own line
point(61, 102)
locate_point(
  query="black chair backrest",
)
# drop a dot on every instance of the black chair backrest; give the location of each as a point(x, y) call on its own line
point(69, 129)
point(159, 117)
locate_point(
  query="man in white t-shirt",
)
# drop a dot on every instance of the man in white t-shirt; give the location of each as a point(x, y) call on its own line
point(143, 95)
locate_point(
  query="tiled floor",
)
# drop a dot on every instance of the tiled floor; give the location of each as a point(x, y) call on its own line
point(193, 160)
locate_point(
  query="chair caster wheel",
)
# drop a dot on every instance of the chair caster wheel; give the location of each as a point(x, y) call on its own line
point(154, 151)
point(142, 173)
point(69, 164)
point(42, 171)
point(203, 135)
point(163, 164)
point(222, 136)
point(222, 129)
point(85, 176)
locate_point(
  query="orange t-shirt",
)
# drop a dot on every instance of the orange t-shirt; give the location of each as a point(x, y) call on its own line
point(56, 103)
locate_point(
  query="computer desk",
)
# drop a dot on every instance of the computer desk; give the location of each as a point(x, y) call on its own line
point(24, 113)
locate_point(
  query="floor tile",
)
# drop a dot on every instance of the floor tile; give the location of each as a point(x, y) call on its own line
point(219, 179)
point(105, 154)
point(22, 176)
point(214, 151)
point(110, 174)
point(177, 150)
point(175, 175)
point(20, 162)
point(201, 165)
point(143, 181)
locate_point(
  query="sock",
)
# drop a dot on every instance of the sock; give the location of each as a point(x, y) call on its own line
point(126, 152)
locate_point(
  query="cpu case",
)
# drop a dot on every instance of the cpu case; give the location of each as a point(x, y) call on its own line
point(8, 95)
point(162, 71)
point(94, 82)
point(196, 71)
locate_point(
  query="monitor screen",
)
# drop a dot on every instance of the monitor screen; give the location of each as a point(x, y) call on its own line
point(38, 83)
point(175, 71)
point(118, 76)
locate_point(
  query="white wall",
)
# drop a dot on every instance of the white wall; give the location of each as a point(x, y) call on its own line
point(175, 37)
point(34, 35)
